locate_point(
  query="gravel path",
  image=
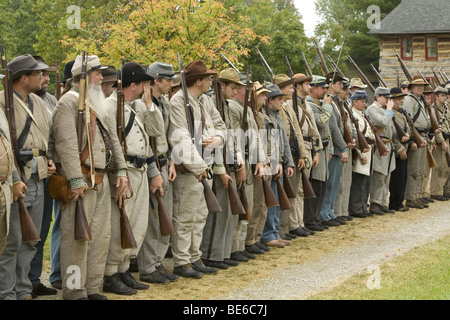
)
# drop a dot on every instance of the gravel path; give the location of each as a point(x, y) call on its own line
point(300, 281)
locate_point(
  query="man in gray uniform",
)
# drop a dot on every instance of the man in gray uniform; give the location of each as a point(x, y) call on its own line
point(83, 262)
point(141, 120)
point(155, 245)
point(416, 110)
point(193, 163)
point(32, 123)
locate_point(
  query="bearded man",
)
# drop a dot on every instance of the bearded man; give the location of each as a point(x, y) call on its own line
point(83, 262)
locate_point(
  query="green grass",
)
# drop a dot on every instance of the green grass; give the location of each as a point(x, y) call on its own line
point(421, 274)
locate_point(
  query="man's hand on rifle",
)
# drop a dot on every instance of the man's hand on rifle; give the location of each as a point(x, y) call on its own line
point(289, 172)
point(226, 179)
point(444, 146)
point(79, 192)
point(19, 190)
point(344, 158)
point(241, 176)
point(121, 190)
point(300, 164)
point(351, 144)
point(405, 138)
point(279, 171)
point(259, 170)
point(51, 168)
point(201, 176)
point(156, 183)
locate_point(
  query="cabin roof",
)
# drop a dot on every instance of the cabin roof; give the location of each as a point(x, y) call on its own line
point(416, 17)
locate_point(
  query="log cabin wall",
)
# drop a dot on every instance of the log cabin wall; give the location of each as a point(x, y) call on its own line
point(389, 66)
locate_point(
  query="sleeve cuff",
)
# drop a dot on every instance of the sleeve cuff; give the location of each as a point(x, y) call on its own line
point(122, 173)
point(76, 183)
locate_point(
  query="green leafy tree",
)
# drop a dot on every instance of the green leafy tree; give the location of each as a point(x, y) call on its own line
point(345, 22)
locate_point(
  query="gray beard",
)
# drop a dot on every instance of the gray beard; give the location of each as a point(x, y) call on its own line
point(97, 100)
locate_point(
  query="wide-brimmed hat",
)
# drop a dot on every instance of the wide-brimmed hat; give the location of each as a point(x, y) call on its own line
point(229, 75)
point(52, 68)
point(448, 88)
point(93, 63)
point(282, 80)
point(428, 89)
point(274, 91)
point(357, 83)
point(133, 72)
point(109, 74)
point(417, 80)
point(300, 78)
point(319, 81)
point(359, 95)
point(381, 91)
point(396, 92)
point(333, 77)
point(196, 70)
point(404, 85)
point(260, 88)
point(23, 64)
point(439, 89)
point(161, 70)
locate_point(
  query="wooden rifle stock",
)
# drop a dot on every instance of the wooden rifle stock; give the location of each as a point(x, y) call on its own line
point(325, 69)
point(382, 149)
point(82, 230)
point(165, 223)
point(348, 138)
point(28, 228)
point(233, 196)
point(285, 204)
point(269, 196)
point(59, 85)
point(417, 138)
point(211, 200)
point(308, 69)
point(308, 191)
point(127, 238)
point(434, 122)
point(362, 142)
point(288, 187)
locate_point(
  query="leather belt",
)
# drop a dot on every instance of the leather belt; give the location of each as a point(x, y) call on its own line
point(28, 154)
point(138, 161)
point(307, 139)
point(423, 131)
point(163, 159)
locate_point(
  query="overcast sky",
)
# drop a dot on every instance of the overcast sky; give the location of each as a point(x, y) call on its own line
point(307, 9)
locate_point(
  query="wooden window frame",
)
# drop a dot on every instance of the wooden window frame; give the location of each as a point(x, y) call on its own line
point(401, 47)
point(426, 48)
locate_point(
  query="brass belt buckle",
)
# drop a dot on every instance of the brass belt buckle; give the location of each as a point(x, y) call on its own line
point(35, 153)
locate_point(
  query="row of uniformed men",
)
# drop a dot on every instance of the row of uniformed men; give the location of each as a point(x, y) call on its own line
point(307, 137)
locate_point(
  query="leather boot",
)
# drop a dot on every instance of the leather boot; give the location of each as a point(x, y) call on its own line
point(114, 284)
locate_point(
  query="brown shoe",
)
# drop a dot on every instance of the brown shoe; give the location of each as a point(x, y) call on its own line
point(274, 243)
point(286, 242)
point(414, 204)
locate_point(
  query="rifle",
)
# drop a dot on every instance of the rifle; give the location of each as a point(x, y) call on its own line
point(235, 202)
point(361, 139)
point(361, 74)
point(308, 69)
point(126, 233)
point(269, 196)
point(307, 187)
point(210, 197)
point(28, 228)
point(400, 132)
point(165, 223)
point(446, 78)
point(325, 69)
point(436, 77)
point(380, 79)
point(282, 196)
point(82, 230)
point(59, 85)
point(229, 62)
point(347, 133)
point(248, 88)
point(266, 66)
